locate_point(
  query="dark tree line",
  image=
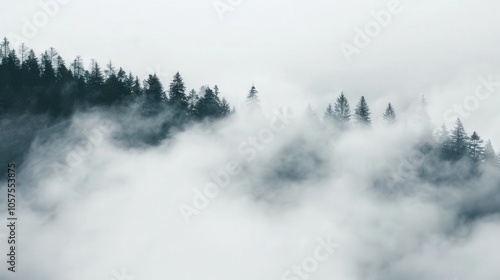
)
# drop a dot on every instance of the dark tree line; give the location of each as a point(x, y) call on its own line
point(46, 84)
point(449, 146)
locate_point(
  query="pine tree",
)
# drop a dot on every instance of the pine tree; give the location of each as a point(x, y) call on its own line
point(475, 148)
point(459, 141)
point(192, 99)
point(23, 53)
point(31, 69)
point(95, 78)
point(153, 90)
point(225, 108)
point(136, 87)
point(362, 113)
point(77, 67)
point(342, 112)
point(4, 49)
point(177, 93)
point(444, 142)
point(110, 70)
point(208, 105)
point(253, 101)
point(489, 153)
point(390, 114)
point(329, 116)
point(63, 73)
point(48, 74)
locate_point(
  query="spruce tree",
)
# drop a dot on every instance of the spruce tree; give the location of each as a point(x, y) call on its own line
point(342, 112)
point(95, 78)
point(444, 142)
point(459, 141)
point(48, 74)
point(153, 89)
point(225, 108)
point(32, 70)
point(177, 93)
point(390, 114)
point(362, 113)
point(475, 148)
point(489, 154)
point(192, 99)
point(209, 105)
point(329, 116)
point(253, 101)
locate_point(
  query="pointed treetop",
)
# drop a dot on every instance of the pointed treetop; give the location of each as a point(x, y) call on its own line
point(362, 112)
point(390, 115)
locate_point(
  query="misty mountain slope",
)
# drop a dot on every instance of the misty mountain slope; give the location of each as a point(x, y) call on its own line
point(299, 186)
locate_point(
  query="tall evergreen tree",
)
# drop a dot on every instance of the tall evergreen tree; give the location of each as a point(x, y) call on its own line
point(225, 108)
point(77, 67)
point(192, 99)
point(48, 74)
point(63, 73)
point(4, 48)
point(95, 78)
point(475, 148)
point(390, 114)
point(31, 69)
point(489, 153)
point(329, 116)
point(459, 141)
point(209, 105)
point(253, 101)
point(177, 93)
point(362, 113)
point(342, 112)
point(444, 142)
point(153, 90)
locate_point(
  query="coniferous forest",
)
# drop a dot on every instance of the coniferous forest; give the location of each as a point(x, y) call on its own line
point(250, 140)
point(41, 91)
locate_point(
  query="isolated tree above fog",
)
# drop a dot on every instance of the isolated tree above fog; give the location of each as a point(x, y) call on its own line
point(342, 112)
point(362, 113)
point(390, 115)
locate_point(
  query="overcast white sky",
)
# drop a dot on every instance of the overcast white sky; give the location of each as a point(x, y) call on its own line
point(290, 49)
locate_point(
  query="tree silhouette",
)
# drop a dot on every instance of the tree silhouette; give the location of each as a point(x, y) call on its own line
point(390, 114)
point(342, 112)
point(362, 113)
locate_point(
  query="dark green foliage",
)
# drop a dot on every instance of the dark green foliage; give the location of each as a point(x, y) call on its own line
point(253, 101)
point(342, 112)
point(329, 116)
point(362, 113)
point(209, 105)
point(489, 154)
point(459, 141)
point(390, 114)
point(177, 93)
point(475, 149)
point(48, 86)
